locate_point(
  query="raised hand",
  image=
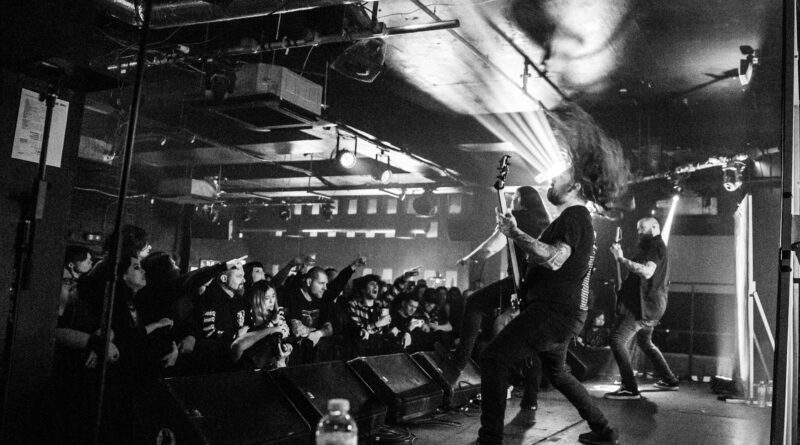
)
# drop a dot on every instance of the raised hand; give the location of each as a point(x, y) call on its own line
point(236, 262)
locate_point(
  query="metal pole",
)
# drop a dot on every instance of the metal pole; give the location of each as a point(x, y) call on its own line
point(123, 191)
point(784, 407)
point(27, 235)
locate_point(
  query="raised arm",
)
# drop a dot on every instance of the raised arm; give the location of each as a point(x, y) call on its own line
point(490, 246)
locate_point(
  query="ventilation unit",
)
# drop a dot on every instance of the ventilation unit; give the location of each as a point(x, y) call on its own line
point(269, 97)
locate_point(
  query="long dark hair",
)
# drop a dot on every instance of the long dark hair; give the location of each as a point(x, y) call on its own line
point(256, 296)
point(597, 159)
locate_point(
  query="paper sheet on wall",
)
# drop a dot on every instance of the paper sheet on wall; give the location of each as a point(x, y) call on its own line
point(30, 128)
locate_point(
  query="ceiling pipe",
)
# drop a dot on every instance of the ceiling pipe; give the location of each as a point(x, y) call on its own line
point(286, 44)
point(174, 13)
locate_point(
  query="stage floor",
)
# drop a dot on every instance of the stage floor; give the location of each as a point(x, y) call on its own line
point(692, 415)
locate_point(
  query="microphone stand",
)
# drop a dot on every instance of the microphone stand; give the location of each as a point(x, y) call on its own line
point(26, 235)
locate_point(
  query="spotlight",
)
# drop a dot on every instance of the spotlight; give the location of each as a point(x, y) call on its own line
point(346, 158)
point(327, 212)
point(285, 213)
point(362, 61)
point(746, 64)
point(192, 139)
point(732, 175)
point(163, 141)
point(425, 204)
point(385, 175)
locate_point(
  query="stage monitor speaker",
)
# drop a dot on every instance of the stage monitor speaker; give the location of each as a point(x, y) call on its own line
point(458, 386)
point(309, 387)
point(408, 391)
point(216, 409)
point(586, 363)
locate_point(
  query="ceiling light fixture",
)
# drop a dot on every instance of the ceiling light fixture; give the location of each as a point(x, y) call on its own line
point(285, 213)
point(425, 205)
point(362, 61)
point(385, 175)
point(327, 212)
point(732, 175)
point(746, 64)
point(345, 157)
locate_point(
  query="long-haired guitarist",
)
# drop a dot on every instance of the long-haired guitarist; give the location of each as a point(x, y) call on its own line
point(532, 218)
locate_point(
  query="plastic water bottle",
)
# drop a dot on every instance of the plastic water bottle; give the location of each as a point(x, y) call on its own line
point(337, 427)
point(762, 394)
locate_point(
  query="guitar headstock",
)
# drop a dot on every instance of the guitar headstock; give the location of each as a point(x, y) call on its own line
point(500, 183)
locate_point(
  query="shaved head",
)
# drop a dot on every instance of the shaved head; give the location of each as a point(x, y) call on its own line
point(648, 226)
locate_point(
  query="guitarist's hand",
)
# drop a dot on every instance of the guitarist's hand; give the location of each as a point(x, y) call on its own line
point(616, 250)
point(462, 261)
point(505, 223)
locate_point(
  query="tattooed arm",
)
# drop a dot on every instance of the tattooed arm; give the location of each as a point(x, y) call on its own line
point(551, 256)
point(645, 270)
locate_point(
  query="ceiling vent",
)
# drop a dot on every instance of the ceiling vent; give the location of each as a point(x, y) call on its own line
point(269, 97)
point(186, 191)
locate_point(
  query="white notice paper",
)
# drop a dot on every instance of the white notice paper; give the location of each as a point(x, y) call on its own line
point(30, 128)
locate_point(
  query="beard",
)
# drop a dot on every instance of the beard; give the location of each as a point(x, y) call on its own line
point(645, 241)
point(555, 197)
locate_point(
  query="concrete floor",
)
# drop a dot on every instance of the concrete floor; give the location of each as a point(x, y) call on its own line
point(692, 415)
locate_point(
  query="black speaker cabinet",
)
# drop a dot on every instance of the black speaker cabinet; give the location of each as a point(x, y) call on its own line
point(408, 391)
point(459, 387)
point(216, 409)
point(309, 387)
point(586, 363)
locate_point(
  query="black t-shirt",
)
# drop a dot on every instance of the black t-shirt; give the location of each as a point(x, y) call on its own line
point(531, 224)
point(565, 290)
point(221, 315)
point(313, 314)
point(647, 299)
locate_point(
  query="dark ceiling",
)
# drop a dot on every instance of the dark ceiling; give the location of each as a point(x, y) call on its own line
point(662, 77)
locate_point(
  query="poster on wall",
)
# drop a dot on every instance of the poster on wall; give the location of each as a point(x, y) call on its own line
point(30, 129)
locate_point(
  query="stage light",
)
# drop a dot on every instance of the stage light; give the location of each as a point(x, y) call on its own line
point(346, 158)
point(163, 141)
point(285, 213)
point(327, 212)
point(732, 175)
point(362, 61)
point(670, 218)
point(385, 175)
point(425, 204)
point(746, 64)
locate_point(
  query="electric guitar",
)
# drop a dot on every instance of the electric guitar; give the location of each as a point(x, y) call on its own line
point(499, 185)
point(617, 240)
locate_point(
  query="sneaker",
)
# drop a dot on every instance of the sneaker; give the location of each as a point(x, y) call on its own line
point(608, 436)
point(623, 394)
point(667, 385)
point(526, 416)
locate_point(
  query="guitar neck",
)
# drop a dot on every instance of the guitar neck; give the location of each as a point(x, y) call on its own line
point(617, 240)
point(511, 248)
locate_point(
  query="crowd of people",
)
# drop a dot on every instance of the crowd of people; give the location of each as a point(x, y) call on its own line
point(224, 317)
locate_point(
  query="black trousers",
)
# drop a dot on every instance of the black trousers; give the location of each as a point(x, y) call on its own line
point(536, 331)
